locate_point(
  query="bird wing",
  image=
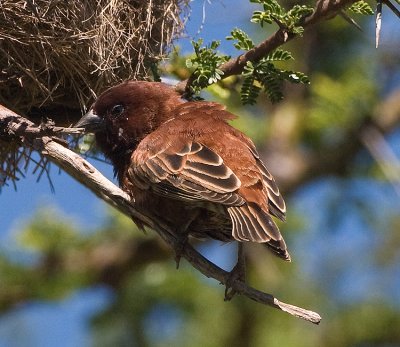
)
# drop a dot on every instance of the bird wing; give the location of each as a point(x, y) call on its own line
point(276, 204)
point(251, 223)
point(188, 171)
point(196, 173)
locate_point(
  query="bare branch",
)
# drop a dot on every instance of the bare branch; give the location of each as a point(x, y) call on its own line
point(90, 177)
point(15, 125)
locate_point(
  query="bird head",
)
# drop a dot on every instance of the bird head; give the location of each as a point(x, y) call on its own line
point(124, 114)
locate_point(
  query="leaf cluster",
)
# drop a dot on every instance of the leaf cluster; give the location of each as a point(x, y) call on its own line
point(205, 64)
point(273, 12)
point(264, 75)
point(361, 7)
point(260, 75)
point(243, 40)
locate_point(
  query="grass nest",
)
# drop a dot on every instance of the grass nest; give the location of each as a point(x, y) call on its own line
point(63, 53)
point(56, 56)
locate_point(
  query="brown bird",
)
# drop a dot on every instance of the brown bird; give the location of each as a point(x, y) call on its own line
point(184, 164)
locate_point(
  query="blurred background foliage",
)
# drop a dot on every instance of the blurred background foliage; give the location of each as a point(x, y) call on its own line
point(333, 147)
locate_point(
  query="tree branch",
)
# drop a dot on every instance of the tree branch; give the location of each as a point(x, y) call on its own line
point(90, 177)
point(324, 9)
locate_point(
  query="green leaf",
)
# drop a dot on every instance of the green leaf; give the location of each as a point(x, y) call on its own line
point(261, 18)
point(205, 64)
point(189, 63)
point(296, 77)
point(264, 75)
point(249, 90)
point(299, 11)
point(215, 44)
point(279, 55)
point(361, 7)
point(273, 87)
point(273, 12)
point(273, 7)
point(244, 42)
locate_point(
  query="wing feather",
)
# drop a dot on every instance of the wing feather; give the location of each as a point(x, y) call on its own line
point(238, 230)
point(157, 170)
point(276, 203)
point(220, 171)
point(173, 162)
point(191, 172)
point(206, 156)
point(259, 227)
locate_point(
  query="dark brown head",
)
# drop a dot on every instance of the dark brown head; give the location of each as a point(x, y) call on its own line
point(123, 115)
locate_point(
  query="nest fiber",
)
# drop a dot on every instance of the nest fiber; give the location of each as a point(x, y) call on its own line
point(66, 52)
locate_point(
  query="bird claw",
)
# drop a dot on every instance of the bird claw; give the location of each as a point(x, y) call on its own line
point(183, 236)
point(238, 273)
point(179, 249)
point(177, 259)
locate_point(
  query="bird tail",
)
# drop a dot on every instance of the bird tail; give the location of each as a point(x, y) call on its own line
point(251, 223)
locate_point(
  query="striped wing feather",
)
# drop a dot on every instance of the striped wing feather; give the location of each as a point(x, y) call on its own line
point(276, 203)
point(193, 172)
point(251, 223)
point(196, 173)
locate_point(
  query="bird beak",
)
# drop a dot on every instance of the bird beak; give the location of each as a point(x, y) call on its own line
point(91, 122)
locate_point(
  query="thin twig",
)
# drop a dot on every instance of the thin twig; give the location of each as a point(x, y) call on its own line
point(392, 7)
point(349, 20)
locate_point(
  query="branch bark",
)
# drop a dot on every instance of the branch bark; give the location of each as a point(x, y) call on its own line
point(324, 9)
point(89, 176)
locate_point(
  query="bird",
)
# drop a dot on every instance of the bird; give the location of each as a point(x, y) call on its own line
point(185, 165)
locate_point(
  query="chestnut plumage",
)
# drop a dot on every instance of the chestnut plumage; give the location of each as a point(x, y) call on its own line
point(185, 165)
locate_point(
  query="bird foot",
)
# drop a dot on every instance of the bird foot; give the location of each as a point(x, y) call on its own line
point(238, 273)
point(183, 236)
point(180, 248)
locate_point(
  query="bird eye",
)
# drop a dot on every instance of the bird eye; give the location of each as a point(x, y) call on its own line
point(117, 110)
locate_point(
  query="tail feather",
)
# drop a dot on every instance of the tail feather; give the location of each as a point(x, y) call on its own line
point(251, 223)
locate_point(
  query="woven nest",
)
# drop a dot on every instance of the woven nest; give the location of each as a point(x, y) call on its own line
point(65, 52)
point(56, 56)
